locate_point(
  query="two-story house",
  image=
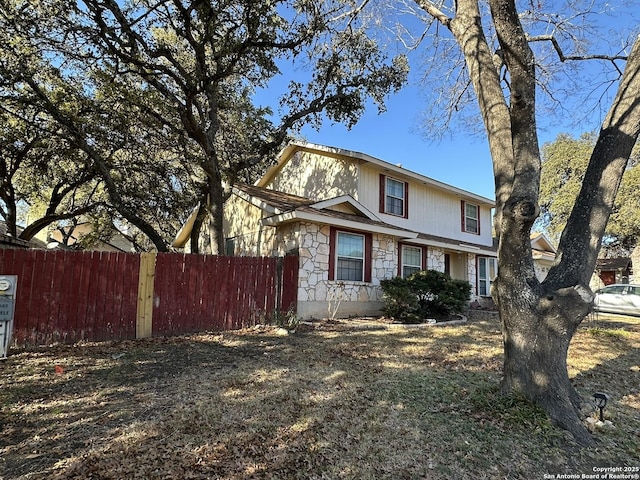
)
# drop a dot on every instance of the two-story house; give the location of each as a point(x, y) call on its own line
point(354, 220)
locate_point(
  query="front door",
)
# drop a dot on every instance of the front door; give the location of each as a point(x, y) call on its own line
point(455, 265)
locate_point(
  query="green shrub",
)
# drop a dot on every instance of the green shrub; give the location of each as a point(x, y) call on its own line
point(399, 300)
point(424, 294)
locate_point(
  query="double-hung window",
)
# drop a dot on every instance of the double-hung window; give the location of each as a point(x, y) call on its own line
point(394, 195)
point(394, 200)
point(411, 260)
point(350, 257)
point(470, 218)
point(487, 271)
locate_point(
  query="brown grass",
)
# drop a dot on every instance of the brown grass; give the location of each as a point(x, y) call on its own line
point(331, 402)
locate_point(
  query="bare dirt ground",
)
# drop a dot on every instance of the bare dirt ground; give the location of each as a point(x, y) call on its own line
point(346, 399)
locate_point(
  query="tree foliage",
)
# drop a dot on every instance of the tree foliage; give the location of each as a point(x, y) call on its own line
point(41, 171)
point(119, 78)
point(564, 163)
point(76, 107)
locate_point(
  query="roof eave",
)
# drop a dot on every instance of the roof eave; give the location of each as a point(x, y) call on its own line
point(460, 246)
point(292, 147)
point(296, 215)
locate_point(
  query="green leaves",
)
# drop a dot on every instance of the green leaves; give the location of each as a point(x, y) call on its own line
point(564, 163)
point(424, 294)
point(159, 96)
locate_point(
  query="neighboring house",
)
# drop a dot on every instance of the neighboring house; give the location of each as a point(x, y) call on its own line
point(354, 220)
point(544, 254)
point(613, 270)
point(68, 236)
point(7, 241)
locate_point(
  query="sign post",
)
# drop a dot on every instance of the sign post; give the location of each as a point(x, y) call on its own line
point(8, 285)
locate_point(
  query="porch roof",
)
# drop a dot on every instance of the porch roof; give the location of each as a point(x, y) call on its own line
point(285, 208)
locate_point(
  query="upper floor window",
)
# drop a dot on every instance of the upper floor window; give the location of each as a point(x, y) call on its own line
point(470, 218)
point(394, 196)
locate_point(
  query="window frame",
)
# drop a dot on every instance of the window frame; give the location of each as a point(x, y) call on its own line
point(464, 217)
point(401, 256)
point(488, 281)
point(384, 195)
point(333, 254)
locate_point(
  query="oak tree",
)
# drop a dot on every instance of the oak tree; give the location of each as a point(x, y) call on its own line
point(564, 162)
point(42, 69)
point(539, 318)
point(115, 74)
point(204, 60)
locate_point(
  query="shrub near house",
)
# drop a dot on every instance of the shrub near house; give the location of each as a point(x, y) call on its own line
point(424, 294)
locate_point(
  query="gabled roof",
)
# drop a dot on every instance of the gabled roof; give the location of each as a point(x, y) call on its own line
point(540, 242)
point(272, 201)
point(541, 248)
point(286, 154)
point(285, 208)
point(608, 264)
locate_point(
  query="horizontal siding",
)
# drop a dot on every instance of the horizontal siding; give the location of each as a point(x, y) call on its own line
point(431, 211)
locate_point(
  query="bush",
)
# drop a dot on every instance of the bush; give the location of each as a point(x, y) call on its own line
point(424, 294)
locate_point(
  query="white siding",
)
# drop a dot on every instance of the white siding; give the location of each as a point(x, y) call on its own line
point(431, 211)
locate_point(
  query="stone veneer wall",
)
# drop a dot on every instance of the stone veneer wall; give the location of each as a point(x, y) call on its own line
point(435, 259)
point(320, 298)
point(472, 275)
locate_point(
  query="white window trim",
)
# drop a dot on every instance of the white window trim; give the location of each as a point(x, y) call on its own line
point(402, 199)
point(404, 264)
point(487, 279)
point(338, 256)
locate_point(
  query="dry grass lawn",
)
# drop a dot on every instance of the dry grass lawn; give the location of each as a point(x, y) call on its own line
point(331, 402)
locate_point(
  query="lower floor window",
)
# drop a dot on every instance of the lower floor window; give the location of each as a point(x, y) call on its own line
point(487, 271)
point(411, 260)
point(350, 257)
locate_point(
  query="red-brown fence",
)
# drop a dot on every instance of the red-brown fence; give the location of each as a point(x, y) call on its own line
point(93, 296)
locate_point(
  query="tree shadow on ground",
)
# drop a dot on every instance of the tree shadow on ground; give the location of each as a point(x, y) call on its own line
point(332, 403)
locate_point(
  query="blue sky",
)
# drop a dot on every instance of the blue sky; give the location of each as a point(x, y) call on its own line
point(463, 159)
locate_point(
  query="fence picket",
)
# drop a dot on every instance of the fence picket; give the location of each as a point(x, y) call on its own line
point(94, 296)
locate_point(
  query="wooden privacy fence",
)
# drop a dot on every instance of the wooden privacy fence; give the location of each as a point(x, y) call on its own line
point(67, 296)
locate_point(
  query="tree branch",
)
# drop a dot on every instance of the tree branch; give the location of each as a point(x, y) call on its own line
point(582, 237)
point(564, 58)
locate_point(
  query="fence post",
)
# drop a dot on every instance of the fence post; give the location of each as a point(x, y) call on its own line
point(144, 314)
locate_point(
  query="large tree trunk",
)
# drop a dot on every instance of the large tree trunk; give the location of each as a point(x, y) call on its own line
point(537, 329)
point(540, 319)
